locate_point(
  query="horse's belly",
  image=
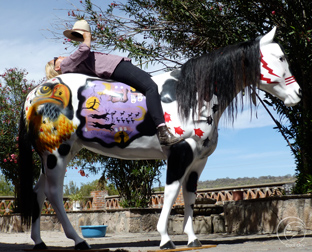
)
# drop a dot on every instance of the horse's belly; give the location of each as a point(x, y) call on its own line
point(143, 148)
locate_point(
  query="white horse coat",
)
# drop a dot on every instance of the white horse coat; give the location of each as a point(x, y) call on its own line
point(74, 111)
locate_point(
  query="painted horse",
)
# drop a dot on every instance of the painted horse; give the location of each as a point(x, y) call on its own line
point(74, 111)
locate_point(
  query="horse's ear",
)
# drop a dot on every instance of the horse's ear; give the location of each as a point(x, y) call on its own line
point(268, 38)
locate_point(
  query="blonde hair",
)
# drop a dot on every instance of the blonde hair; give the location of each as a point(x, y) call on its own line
point(50, 71)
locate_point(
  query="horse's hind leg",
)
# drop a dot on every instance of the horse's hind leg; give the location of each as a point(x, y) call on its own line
point(39, 198)
point(189, 187)
point(55, 172)
point(181, 156)
point(170, 195)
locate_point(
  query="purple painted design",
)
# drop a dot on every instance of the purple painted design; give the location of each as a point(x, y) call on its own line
point(112, 111)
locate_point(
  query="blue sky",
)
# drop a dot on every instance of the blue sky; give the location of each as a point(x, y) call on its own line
point(249, 149)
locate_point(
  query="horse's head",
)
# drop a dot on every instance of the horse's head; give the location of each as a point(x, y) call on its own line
point(276, 78)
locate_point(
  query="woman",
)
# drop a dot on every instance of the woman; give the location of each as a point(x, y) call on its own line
point(119, 69)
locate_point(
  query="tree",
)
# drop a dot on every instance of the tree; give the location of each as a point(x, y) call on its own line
point(86, 188)
point(6, 187)
point(169, 32)
point(133, 179)
point(71, 188)
point(13, 90)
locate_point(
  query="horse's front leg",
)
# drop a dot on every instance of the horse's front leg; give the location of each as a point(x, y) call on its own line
point(39, 198)
point(54, 190)
point(189, 187)
point(180, 157)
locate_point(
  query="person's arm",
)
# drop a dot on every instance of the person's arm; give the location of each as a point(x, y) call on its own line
point(71, 62)
point(87, 38)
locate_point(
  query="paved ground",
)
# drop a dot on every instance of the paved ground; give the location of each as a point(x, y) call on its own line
point(144, 242)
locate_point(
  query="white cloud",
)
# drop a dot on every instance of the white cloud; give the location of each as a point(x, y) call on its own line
point(31, 56)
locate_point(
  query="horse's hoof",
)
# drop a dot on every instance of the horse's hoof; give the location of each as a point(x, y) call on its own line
point(40, 246)
point(82, 246)
point(195, 243)
point(168, 245)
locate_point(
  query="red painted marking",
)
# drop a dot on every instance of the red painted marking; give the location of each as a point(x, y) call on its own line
point(167, 117)
point(178, 130)
point(270, 70)
point(199, 132)
point(290, 80)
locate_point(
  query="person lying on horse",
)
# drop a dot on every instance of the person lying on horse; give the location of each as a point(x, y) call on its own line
point(114, 67)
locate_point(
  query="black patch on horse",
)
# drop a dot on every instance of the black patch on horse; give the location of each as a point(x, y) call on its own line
point(168, 93)
point(209, 120)
point(176, 73)
point(191, 184)
point(181, 156)
point(64, 149)
point(206, 142)
point(51, 161)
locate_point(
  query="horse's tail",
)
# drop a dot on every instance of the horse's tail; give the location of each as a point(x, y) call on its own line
point(26, 166)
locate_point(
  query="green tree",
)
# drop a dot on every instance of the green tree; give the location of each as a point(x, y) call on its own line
point(71, 188)
point(6, 187)
point(133, 179)
point(86, 188)
point(13, 90)
point(169, 32)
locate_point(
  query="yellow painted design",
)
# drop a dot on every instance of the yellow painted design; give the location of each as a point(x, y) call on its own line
point(49, 133)
point(121, 136)
point(143, 114)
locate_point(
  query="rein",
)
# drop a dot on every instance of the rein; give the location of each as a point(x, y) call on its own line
point(277, 124)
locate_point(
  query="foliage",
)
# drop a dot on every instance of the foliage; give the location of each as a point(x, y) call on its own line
point(76, 197)
point(6, 187)
point(308, 185)
point(169, 32)
point(13, 90)
point(228, 182)
point(86, 188)
point(71, 188)
point(133, 179)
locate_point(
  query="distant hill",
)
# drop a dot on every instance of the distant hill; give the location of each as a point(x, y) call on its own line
point(226, 182)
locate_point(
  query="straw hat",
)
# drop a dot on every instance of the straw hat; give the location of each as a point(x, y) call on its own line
point(78, 29)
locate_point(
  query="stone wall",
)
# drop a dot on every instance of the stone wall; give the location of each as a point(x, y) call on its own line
point(120, 221)
point(253, 216)
point(267, 215)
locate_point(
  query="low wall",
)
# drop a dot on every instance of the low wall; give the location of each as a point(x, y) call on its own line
point(254, 216)
point(267, 215)
point(121, 221)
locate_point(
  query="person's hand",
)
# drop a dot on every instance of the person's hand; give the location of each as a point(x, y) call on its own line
point(87, 35)
point(87, 38)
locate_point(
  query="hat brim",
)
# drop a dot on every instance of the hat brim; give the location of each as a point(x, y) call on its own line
point(75, 35)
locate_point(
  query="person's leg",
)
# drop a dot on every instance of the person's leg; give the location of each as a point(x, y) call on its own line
point(140, 80)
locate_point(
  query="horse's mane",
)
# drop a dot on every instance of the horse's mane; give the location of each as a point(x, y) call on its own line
point(222, 72)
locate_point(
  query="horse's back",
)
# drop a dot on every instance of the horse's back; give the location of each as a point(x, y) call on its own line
point(105, 116)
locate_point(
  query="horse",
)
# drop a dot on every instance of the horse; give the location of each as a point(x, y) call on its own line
point(65, 114)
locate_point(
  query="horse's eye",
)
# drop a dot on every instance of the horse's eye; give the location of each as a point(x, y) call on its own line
point(282, 59)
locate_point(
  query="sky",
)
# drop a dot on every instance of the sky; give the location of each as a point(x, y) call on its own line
point(251, 148)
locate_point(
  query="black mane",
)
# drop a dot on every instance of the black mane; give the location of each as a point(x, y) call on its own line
point(221, 72)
